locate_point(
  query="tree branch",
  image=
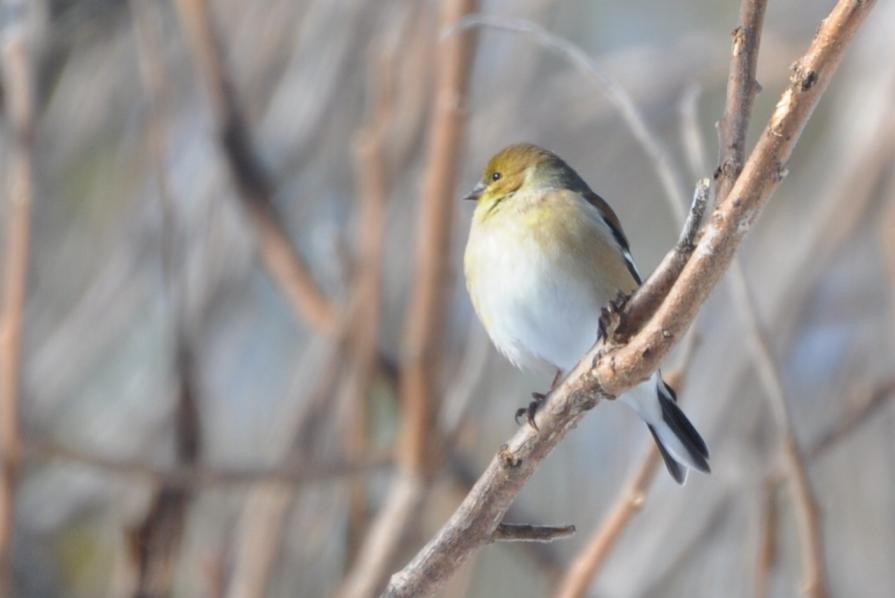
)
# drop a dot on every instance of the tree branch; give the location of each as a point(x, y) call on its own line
point(741, 91)
point(514, 532)
point(808, 514)
point(644, 303)
point(608, 371)
point(418, 442)
point(374, 185)
point(767, 545)
point(156, 542)
point(253, 184)
point(628, 503)
point(659, 156)
point(197, 476)
point(19, 107)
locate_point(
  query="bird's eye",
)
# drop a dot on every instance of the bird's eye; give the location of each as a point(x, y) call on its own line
point(495, 176)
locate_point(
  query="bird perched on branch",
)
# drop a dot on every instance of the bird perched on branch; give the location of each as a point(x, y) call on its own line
point(545, 256)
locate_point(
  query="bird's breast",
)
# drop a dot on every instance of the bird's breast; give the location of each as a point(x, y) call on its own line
point(536, 283)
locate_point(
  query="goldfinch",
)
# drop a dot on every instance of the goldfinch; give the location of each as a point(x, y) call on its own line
point(545, 254)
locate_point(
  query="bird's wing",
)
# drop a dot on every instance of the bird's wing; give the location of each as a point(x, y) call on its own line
point(615, 226)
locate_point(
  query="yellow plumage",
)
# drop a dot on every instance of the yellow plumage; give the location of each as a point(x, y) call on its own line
point(544, 255)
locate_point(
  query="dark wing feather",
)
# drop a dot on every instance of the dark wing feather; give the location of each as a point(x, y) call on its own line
point(616, 227)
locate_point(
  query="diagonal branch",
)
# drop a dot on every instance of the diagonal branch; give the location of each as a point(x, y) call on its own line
point(643, 304)
point(807, 512)
point(253, 184)
point(608, 371)
point(741, 90)
point(620, 99)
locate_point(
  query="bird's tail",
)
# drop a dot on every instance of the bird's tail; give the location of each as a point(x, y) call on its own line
point(679, 443)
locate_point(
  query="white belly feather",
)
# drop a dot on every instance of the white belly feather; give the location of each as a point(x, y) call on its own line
point(539, 313)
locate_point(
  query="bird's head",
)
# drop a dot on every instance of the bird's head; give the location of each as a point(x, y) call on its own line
point(520, 167)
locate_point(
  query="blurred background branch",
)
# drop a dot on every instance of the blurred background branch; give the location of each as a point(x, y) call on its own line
point(242, 134)
point(249, 176)
point(418, 448)
point(603, 374)
point(18, 81)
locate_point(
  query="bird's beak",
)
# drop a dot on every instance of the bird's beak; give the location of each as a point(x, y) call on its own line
point(476, 192)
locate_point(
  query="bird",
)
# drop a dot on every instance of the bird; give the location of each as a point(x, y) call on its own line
point(544, 257)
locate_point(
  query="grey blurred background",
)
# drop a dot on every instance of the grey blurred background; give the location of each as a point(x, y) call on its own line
point(135, 250)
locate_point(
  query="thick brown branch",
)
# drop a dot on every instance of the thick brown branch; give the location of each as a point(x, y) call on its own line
point(514, 532)
point(729, 223)
point(543, 556)
point(253, 185)
point(19, 104)
point(741, 90)
point(605, 373)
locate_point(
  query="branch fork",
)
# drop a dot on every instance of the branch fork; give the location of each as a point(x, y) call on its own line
point(622, 367)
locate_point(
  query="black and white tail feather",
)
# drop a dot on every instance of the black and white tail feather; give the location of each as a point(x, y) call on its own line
point(679, 443)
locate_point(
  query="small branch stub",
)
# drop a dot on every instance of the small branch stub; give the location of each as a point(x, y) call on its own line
point(513, 532)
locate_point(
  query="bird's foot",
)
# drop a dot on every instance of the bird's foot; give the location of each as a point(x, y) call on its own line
point(531, 410)
point(610, 316)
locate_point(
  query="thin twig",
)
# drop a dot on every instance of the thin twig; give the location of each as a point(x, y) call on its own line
point(656, 287)
point(374, 186)
point(835, 435)
point(418, 445)
point(584, 569)
point(767, 542)
point(19, 104)
point(157, 541)
point(515, 532)
point(691, 137)
point(659, 156)
point(253, 184)
point(608, 371)
point(423, 327)
point(203, 476)
point(261, 525)
point(741, 90)
point(887, 238)
point(807, 511)
point(543, 556)
point(629, 502)
point(855, 417)
point(476, 352)
point(640, 308)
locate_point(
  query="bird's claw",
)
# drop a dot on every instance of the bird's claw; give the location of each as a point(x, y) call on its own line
point(610, 316)
point(531, 410)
